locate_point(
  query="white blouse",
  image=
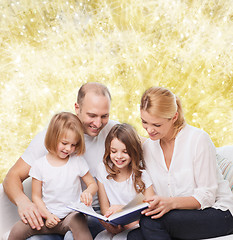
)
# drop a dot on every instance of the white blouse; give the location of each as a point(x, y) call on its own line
point(193, 170)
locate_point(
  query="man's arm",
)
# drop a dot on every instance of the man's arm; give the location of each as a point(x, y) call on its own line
point(13, 187)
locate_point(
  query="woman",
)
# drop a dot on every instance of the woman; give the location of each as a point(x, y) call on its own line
point(192, 200)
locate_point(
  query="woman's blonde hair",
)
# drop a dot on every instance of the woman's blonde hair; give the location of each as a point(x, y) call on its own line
point(161, 102)
point(127, 135)
point(57, 129)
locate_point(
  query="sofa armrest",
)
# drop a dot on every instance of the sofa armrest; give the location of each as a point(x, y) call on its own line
point(9, 213)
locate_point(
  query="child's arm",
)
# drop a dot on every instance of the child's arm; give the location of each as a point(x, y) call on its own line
point(87, 195)
point(104, 207)
point(149, 192)
point(103, 198)
point(51, 220)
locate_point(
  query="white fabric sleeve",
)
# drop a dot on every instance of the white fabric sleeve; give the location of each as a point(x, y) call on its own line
point(36, 149)
point(146, 179)
point(205, 172)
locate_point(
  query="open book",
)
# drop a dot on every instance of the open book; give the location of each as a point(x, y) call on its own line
point(129, 213)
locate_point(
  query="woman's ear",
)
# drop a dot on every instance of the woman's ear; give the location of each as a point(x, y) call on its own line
point(175, 117)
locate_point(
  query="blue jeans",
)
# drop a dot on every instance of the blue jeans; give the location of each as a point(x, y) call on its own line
point(46, 237)
point(185, 224)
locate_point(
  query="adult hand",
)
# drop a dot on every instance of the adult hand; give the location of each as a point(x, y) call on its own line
point(111, 228)
point(158, 206)
point(30, 214)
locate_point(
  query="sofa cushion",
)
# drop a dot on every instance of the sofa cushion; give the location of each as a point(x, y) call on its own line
point(225, 161)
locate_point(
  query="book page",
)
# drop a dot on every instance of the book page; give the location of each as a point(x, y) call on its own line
point(136, 201)
point(133, 208)
point(81, 207)
point(134, 205)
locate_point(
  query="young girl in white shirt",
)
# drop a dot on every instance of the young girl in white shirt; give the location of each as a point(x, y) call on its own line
point(121, 177)
point(192, 200)
point(56, 181)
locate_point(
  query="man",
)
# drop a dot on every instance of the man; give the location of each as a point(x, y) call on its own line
point(92, 108)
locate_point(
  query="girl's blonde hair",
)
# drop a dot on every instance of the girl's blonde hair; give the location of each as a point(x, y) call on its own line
point(58, 127)
point(161, 102)
point(127, 135)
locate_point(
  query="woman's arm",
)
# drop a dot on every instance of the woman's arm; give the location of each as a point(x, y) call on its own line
point(158, 206)
point(205, 171)
point(87, 195)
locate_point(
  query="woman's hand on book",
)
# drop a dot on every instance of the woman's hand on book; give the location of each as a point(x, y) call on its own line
point(158, 206)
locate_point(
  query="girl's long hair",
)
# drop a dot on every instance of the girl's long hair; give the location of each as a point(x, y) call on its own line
point(127, 135)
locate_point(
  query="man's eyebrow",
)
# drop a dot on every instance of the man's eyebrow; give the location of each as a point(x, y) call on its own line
point(90, 113)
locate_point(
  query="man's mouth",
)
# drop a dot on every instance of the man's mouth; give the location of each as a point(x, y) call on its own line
point(95, 129)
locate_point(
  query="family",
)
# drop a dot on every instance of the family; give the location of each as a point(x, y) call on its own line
point(88, 158)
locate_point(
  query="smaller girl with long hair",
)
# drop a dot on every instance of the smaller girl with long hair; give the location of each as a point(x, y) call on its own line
point(121, 177)
point(56, 181)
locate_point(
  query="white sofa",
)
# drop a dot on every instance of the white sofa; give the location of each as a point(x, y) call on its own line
point(9, 214)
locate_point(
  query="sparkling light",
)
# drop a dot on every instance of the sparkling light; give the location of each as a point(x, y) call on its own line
point(49, 48)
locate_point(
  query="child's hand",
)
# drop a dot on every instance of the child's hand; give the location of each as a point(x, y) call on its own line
point(113, 209)
point(86, 198)
point(111, 228)
point(130, 225)
point(51, 221)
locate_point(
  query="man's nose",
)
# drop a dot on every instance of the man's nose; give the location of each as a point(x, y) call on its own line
point(98, 122)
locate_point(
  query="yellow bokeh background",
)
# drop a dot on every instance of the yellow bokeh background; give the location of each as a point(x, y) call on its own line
point(49, 48)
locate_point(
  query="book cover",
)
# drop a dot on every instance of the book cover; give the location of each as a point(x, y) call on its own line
point(129, 213)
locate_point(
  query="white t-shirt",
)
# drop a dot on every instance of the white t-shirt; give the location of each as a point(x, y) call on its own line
point(60, 185)
point(95, 147)
point(120, 192)
point(193, 170)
